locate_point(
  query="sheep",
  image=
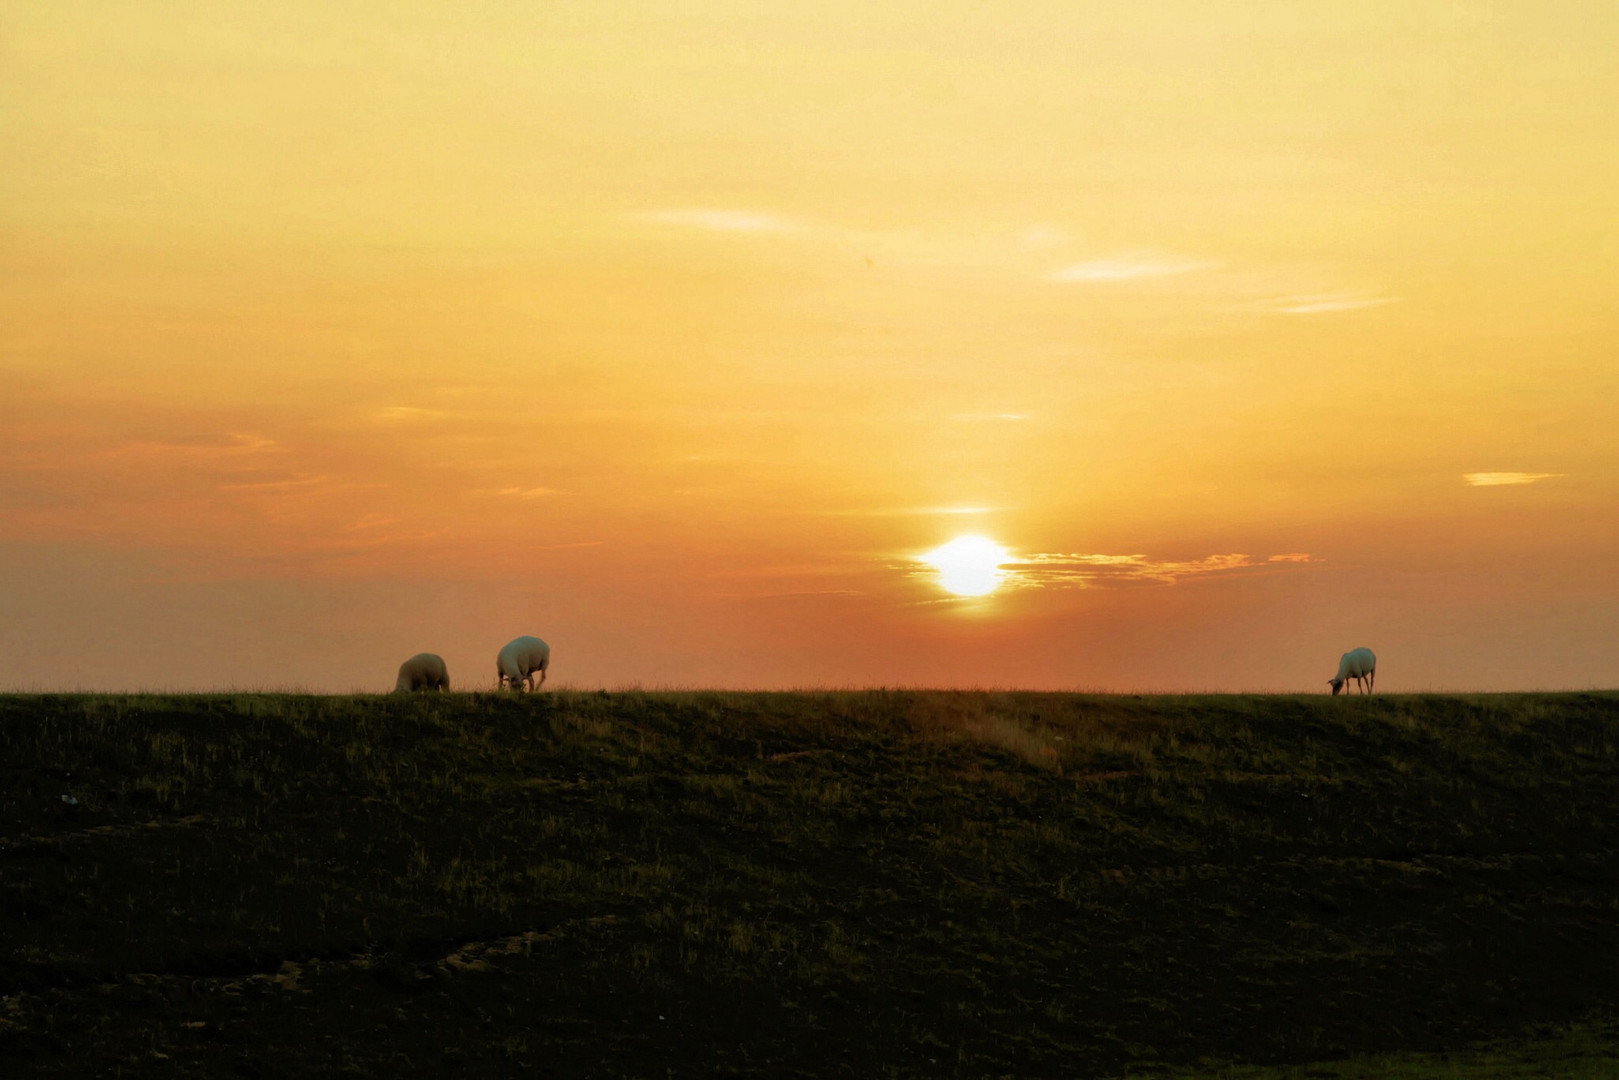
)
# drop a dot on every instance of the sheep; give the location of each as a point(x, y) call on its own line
point(520, 659)
point(424, 671)
point(1357, 664)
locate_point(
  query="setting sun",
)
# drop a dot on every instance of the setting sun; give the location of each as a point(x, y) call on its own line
point(969, 565)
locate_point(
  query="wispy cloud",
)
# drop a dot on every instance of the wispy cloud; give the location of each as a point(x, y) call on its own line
point(1072, 570)
point(912, 511)
point(797, 594)
point(518, 492)
point(787, 570)
point(398, 414)
point(1040, 237)
point(1128, 268)
point(1321, 303)
point(300, 483)
point(717, 220)
point(1500, 479)
point(228, 443)
point(370, 521)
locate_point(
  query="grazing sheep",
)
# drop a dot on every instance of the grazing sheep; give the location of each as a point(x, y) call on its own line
point(520, 659)
point(424, 671)
point(1357, 664)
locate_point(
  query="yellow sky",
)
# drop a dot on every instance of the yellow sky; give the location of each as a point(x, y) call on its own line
point(676, 333)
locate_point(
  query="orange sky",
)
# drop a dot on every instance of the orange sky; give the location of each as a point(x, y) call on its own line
point(676, 334)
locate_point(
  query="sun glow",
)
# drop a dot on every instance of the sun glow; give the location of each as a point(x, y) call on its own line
point(969, 565)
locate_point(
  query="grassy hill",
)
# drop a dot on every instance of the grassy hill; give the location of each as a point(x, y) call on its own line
point(866, 883)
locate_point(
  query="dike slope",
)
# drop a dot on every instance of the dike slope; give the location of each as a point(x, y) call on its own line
point(883, 883)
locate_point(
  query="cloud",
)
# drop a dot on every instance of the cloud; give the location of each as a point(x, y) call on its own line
point(790, 595)
point(518, 492)
point(370, 521)
point(234, 442)
point(1040, 237)
point(1071, 570)
point(1321, 303)
point(1499, 479)
point(1127, 268)
point(734, 221)
point(301, 483)
point(911, 511)
point(395, 414)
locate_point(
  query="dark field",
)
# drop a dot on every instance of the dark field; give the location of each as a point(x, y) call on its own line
point(863, 884)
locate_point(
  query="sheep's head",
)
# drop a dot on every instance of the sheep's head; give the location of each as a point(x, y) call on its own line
point(1337, 685)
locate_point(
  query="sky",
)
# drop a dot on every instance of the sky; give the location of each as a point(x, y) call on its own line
point(680, 334)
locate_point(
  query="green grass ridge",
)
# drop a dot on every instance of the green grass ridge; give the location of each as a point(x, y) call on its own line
point(864, 883)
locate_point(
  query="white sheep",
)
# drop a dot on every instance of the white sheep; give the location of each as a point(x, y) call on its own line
point(520, 659)
point(1357, 664)
point(424, 671)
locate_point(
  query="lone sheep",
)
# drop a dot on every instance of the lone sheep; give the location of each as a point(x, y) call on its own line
point(1357, 664)
point(520, 659)
point(424, 671)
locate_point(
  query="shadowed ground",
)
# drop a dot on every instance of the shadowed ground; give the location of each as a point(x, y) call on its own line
point(876, 883)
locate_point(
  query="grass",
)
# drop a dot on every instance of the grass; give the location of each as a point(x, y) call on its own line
point(865, 883)
point(1576, 1052)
